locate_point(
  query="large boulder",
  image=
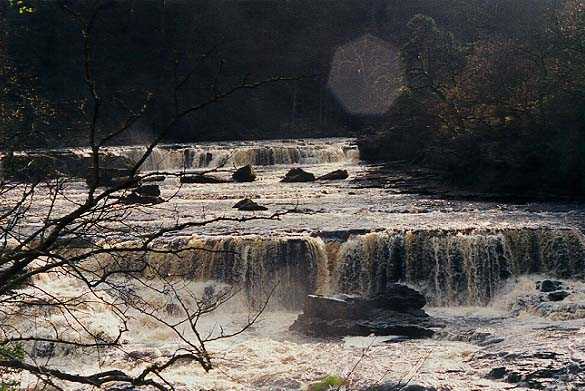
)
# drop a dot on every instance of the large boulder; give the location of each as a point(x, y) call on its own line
point(350, 315)
point(298, 175)
point(399, 297)
point(549, 301)
point(143, 195)
point(248, 205)
point(558, 295)
point(549, 285)
point(148, 190)
point(336, 175)
point(201, 178)
point(244, 174)
point(135, 198)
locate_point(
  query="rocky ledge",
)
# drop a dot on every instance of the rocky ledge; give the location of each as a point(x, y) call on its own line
point(396, 312)
point(555, 300)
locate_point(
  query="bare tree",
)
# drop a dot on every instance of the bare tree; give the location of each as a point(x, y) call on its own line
point(47, 234)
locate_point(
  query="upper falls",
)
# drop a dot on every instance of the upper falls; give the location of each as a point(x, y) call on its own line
point(176, 157)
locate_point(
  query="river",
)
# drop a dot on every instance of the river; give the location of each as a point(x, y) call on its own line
point(467, 253)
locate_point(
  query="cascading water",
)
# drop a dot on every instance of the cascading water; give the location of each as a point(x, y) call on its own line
point(289, 268)
point(75, 161)
point(457, 267)
point(452, 265)
point(194, 157)
point(356, 236)
point(465, 267)
point(159, 160)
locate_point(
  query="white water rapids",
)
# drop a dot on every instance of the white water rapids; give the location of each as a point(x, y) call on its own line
point(358, 235)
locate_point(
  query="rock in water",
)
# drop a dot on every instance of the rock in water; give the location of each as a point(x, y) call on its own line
point(558, 295)
point(336, 175)
point(248, 205)
point(244, 174)
point(154, 178)
point(136, 199)
point(350, 315)
point(143, 195)
point(200, 178)
point(549, 285)
point(399, 297)
point(148, 190)
point(298, 175)
point(497, 373)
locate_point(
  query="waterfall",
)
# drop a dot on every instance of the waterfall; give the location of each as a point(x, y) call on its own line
point(292, 266)
point(75, 161)
point(192, 157)
point(179, 157)
point(167, 158)
point(456, 267)
point(451, 267)
point(263, 156)
point(159, 160)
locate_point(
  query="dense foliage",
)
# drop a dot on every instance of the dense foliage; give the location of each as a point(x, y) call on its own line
point(504, 110)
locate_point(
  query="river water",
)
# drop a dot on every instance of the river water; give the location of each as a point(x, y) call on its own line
point(466, 253)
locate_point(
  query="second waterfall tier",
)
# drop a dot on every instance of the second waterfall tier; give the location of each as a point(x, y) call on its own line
point(462, 267)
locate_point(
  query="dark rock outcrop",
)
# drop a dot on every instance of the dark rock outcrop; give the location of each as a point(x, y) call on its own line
point(205, 179)
point(248, 205)
point(549, 285)
point(154, 178)
point(136, 199)
point(398, 313)
point(469, 335)
point(336, 175)
point(536, 378)
point(28, 168)
point(244, 174)
point(550, 303)
point(298, 175)
point(399, 297)
point(558, 295)
point(148, 190)
point(39, 165)
point(143, 195)
point(497, 373)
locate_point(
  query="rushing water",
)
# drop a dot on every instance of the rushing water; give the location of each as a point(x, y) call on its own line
point(449, 267)
point(353, 236)
point(174, 157)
